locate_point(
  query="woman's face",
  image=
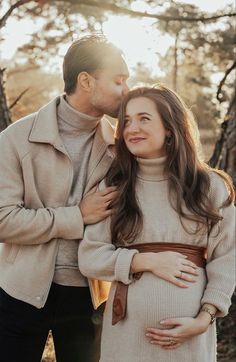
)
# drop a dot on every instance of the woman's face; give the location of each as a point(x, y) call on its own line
point(144, 133)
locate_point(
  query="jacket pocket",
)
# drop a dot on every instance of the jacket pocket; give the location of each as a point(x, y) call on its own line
point(12, 254)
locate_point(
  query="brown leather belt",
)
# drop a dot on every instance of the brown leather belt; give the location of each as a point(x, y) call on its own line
point(194, 253)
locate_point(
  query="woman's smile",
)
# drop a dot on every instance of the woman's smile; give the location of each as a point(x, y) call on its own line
point(136, 139)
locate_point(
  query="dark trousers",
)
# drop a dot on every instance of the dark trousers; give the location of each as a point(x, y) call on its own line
point(68, 313)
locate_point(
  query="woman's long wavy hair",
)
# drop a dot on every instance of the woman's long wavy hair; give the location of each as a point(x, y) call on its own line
point(188, 175)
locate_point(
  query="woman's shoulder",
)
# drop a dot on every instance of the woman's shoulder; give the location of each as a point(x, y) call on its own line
point(219, 189)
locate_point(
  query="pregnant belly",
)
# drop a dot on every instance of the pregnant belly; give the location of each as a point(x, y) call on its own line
point(151, 299)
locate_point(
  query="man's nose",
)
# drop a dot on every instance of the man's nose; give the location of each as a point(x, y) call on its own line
point(125, 89)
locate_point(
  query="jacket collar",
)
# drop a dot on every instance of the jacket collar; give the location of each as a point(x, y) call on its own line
point(45, 128)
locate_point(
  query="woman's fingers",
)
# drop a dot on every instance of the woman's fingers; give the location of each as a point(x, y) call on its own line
point(188, 277)
point(189, 270)
point(173, 346)
point(165, 333)
point(167, 342)
point(189, 263)
point(163, 341)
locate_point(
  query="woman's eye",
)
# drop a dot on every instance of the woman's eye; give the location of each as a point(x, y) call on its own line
point(144, 119)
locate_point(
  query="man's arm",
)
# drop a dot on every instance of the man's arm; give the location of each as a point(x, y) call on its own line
point(21, 225)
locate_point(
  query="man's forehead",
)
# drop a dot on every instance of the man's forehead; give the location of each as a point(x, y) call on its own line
point(116, 66)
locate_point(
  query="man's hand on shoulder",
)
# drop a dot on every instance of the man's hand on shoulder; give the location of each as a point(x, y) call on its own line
point(94, 206)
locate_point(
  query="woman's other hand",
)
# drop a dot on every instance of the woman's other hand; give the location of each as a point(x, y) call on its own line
point(180, 330)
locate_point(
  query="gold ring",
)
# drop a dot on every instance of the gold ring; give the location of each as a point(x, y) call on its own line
point(172, 342)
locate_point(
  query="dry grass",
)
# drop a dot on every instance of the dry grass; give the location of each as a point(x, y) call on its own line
point(49, 353)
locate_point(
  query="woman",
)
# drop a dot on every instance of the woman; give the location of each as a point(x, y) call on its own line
point(170, 208)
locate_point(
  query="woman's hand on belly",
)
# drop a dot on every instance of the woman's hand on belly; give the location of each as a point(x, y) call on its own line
point(171, 266)
point(180, 330)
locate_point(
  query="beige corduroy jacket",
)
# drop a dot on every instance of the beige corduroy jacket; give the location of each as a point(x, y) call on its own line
point(35, 180)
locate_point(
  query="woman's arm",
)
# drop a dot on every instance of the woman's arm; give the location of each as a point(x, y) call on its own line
point(99, 259)
point(220, 271)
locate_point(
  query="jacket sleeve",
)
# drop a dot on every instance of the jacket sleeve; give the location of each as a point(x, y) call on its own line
point(99, 259)
point(220, 267)
point(20, 225)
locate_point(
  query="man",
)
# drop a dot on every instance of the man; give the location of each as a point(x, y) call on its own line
point(50, 163)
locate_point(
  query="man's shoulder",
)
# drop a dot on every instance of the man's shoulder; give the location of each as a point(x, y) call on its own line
point(23, 126)
point(20, 129)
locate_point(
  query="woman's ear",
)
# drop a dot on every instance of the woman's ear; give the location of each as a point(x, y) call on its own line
point(85, 81)
point(168, 133)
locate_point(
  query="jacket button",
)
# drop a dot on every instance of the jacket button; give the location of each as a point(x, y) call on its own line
point(38, 298)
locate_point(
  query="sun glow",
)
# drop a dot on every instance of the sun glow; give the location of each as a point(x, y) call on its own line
point(138, 39)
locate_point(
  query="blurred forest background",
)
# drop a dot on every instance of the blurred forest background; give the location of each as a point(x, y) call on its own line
point(191, 50)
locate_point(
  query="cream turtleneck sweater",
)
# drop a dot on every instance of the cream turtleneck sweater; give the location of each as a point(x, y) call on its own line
point(152, 299)
point(152, 169)
point(76, 130)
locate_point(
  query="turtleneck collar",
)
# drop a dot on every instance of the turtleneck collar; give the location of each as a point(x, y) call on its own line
point(77, 120)
point(152, 169)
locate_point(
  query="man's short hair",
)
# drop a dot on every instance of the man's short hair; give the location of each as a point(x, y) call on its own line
point(87, 54)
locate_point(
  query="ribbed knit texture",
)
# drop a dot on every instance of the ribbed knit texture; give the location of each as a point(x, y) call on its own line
point(76, 130)
point(151, 299)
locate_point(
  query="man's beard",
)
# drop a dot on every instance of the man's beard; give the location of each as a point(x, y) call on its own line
point(112, 111)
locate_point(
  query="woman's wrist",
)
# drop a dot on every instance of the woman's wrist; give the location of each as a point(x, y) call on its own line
point(204, 319)
point(210, 310)
point(206, 315)
point(141, 262)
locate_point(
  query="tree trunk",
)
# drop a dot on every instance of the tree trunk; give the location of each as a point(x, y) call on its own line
point(175, 70)
point(224, 157)
point(5, 118)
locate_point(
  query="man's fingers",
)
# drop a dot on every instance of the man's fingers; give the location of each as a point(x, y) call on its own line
point(109, 197)
point(107, 190)
point(92, 191)
point(106, 213)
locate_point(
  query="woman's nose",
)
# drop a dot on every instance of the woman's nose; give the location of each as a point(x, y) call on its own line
point(134, 126)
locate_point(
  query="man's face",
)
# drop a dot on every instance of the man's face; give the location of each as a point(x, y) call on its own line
point(110, 86)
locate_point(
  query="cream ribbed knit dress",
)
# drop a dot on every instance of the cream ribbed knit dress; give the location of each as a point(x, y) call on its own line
point(151, 299)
